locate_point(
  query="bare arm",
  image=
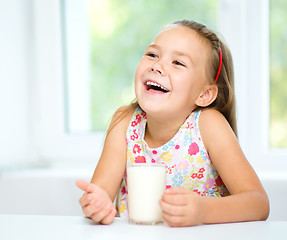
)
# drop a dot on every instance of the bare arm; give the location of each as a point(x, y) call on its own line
point(248, 200)
point(97, 201)
point(111, 166)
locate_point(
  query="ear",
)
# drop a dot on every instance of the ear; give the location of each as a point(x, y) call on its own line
point(207, 96)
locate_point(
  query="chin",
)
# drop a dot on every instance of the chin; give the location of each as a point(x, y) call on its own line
point(152, 110)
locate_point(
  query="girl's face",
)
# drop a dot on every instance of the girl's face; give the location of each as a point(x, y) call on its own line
point(172, 73)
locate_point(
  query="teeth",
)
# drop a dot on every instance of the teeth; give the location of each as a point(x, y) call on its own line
point(157, 85)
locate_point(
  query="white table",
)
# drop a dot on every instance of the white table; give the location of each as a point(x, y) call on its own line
point(32, 227)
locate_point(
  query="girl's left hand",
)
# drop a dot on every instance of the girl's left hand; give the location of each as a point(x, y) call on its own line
point(181, 207)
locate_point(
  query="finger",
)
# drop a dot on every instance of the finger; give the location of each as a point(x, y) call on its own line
point(110, 217)
point(176, 210)
point(176, 190)
point(86, 186)
point(87, 198)
point(173, 221)
point(83, 200)
point(174, 199)
point(102, 213)
point(82, 184)
point(92, 208)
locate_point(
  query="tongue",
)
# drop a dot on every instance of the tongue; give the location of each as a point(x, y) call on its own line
point(157, 89)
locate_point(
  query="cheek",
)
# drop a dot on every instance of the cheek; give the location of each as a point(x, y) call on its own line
point(137, 78)
point(182, 81)
point(137, 81)
point(139, 73)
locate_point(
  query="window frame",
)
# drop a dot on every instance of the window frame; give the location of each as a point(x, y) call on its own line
point(251, 63)
point(250, 49)
point(55, 145)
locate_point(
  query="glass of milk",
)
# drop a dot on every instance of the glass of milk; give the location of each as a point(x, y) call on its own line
point(146, 184)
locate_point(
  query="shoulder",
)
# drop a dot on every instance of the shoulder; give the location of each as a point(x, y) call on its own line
point(115, 140)
point(211, 116)
point(121, 118)
point(126, 110)
point(214, 128)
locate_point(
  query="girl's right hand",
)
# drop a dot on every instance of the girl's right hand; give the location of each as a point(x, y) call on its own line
point(95, 203)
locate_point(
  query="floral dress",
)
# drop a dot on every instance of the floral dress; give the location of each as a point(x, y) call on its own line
point(187, 162)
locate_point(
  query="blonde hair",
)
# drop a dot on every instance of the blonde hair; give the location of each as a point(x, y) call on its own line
point(225, 101)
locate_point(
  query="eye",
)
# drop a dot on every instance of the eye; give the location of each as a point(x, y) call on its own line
point(152, 55)
point(176, 62)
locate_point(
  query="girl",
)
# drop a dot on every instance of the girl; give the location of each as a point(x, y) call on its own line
point(184, 116)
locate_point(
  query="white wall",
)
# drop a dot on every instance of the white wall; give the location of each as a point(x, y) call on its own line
point(45, 192)
point(53, 192)
point(15, 55)
point(275, 185)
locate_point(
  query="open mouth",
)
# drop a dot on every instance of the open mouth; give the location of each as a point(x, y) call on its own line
point(156, 87)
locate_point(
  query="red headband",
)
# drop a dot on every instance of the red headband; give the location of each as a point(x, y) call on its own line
point(220, 63)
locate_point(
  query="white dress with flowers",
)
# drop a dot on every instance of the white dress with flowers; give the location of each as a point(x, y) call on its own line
point(187, 162)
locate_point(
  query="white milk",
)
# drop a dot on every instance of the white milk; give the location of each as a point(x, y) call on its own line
point(146, 184)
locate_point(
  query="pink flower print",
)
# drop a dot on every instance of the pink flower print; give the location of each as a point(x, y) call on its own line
point(201, 170)
point(153, 161)
point(177, 147)
point(123, 190)
point(137, 121)
point(170, 169)
point(134, 136)
point(196, 191)
point(167, 187)
point(194, 175)
point(199, 176)
point(136, 149)
point(140, 159)
point(182, 165)
point(134, 123)
point(154, 151)
point(208, 184)
point(138, 118)
point(189, 125)
point(193, 149)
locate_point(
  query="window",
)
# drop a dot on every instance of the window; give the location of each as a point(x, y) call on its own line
point(104, 42)
point(278, 74)
point(98, 61)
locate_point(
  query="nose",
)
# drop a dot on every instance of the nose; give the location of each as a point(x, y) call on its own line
point(158, 68)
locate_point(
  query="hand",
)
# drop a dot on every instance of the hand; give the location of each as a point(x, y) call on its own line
point(96, 203)
point(181, 207)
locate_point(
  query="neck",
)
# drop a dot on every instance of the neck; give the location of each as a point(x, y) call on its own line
point(158, 132)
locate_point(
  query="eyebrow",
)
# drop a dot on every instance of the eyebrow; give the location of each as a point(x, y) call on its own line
point(153, 46)
point(180, 53)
